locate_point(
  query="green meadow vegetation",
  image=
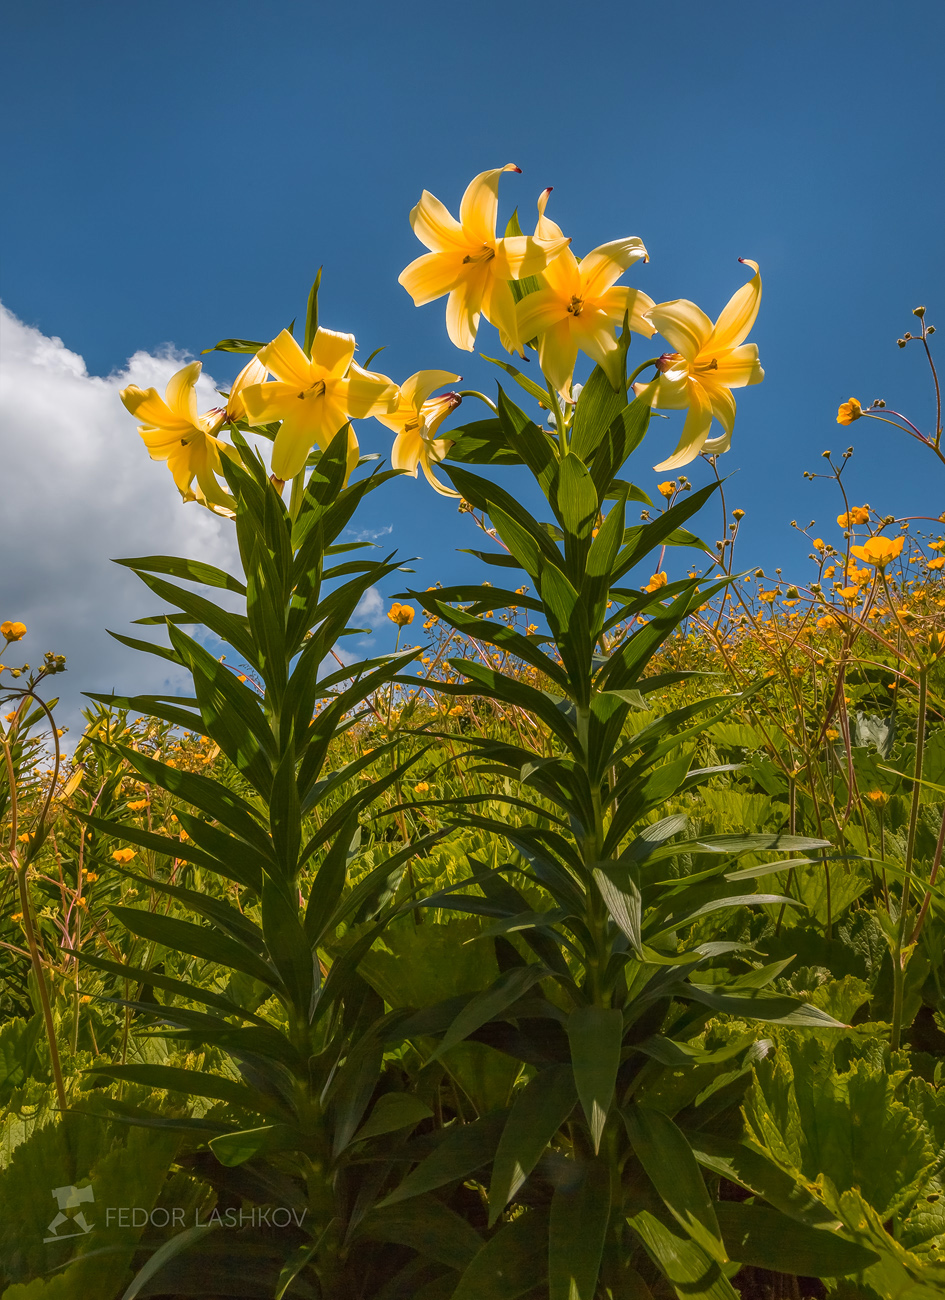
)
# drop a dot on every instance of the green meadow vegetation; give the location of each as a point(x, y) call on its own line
point(588, 946)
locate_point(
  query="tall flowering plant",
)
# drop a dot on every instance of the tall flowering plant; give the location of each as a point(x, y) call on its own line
point(591, 1178)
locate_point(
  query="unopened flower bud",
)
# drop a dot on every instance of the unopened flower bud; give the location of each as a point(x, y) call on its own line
point(738, 514)
point(907, 335)
point(918, 311)
point(901, 343)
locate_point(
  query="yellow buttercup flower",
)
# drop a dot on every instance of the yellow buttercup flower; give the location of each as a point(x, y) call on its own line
point(658, 580)
point(709, 361)
point(314, 396)
point(938, 563)
point(416, 419)
point(578, 306)
point(468, 262)
point(667, 489)
point(849, 411)
point(818, 544)
point(123, 856)
point(137, 804)
point(878, 551)
point(858, 515)
point(172, 430)
point(12, 631)
point(878, 797)
point(400, 614)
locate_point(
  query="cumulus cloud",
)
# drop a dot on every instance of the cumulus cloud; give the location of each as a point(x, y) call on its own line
point(79, 489)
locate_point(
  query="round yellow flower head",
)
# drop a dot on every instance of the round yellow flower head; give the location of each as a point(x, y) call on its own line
point(878, 797)
point(819, 544)
point(858, 515)
point(938, 562)
point(658, 580)
point(849, 411)
point(421, 787)
point(879, 551)
point(667, 489)
point(13, 631)
point(123, 856)
point(402, 615)
point(456, 710)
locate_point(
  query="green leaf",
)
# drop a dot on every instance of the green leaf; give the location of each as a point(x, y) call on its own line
point(756, 1005)
point(463, 1149)
point(580, 1212)
point(624, 902)
point(234, 345)
point(534, 390)
point(426, 1226)
point(194, 1083)
point(393, 1111)
point(511, 1264)
point(481, 442)
point(692, 1273)
point(745, 1165)
point(596, 1037)
point(197, 940)
point(311, 314)
point(538, 1112)
point(195, 570)
point(574, 498)
point(765, 1238)
point(671, 1166)
point(289, 947)
point(511, 985)
point(232, 1149)
point(174, 1246)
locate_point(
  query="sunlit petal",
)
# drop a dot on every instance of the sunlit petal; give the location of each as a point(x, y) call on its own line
point(685, 325)
point(367, 393)
point(601, 267)
point(434, 454)
point(332, 352)
point(253, 373)
point(463, 308)
point(738, 368)
point(405, 453)
point(285, 359)
point(595, 336)
point(180, 395)
point(498, 306)
point(539, 311)
point(666, 393)
point(434, 225)
point(264, 403)
point(546, 228)
point(151, 409)
point(557, 353)
point(722, 403)
point(619, 302)
point(695, 430)
point(563, 274)
point(520, 255)
point(432, 275)
point(738, 316)
point(415, 390)
point(480, 204)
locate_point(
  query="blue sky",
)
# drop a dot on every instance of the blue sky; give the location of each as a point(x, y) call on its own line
point(176, 173)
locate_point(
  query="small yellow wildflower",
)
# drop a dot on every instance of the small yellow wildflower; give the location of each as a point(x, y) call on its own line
point(456, 710)
point(878, 797)
point(831, 733)
point(819, 544)
point(879, 551)
point(656, 581)
point(667, 489)
point(421, 787)
point(849, 411)
point(137, 804)
point(123, 856)
point(13, 631)
point(402, 615)
point(937, 563)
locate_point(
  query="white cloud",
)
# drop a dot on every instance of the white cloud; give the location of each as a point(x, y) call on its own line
point(371, 604)
point(78, 489)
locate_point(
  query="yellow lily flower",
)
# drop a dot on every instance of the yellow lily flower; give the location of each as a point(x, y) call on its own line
point(710, 361)
point(173, 431)
point(253, 373)
point(578, 306)
point(416, 420)
point(314, 396)
point(470, 264)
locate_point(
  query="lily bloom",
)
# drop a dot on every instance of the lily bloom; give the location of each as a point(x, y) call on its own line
point(709, 362)
point(253, 373)
point(314, 396)
point(173, 431)
point(416, 420)
point(468, 262)
point(579, 308)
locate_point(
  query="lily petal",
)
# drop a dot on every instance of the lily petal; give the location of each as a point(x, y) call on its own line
point(463, 308)
point(415, 390)
point(563, 274)
point(480, 204)
point(151, 409)
point(665, 393)
point(685, 325)
point(722, 403)
point(498, 306)
point(430, 276)
point(520, 255)
point(253, 373)
point(540, 311)
point(435, 226)
point(596, 337)
point(546, 228)
point(738, 368)
point(695, 431)
point(367, 393)
point(180, 395)
point(738, 316)
point(315, 420)
point(634, 303)
point(557, 353)
point(435, 452)
point(604, 265)
point(332, 352)
point(285, 359)
point(405, 453)
point(264, 403)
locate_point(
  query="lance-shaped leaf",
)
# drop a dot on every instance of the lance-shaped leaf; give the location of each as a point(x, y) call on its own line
point(511, 1264)
point(691, 1271)
point(596, 1036)
point(580, 1213)
point(620, 890)
point(765, 1238)
point(195, 570)
point(463, 1149)
point(197, 940)
point(538, 1112)
point(511, 985)
point(667, 1159)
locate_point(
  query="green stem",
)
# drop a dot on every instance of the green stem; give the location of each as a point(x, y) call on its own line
point(653, 361)
point(472, 392)
point(559, 416)
point(904, 906)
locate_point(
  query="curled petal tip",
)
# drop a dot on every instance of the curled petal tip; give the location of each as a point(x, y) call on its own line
point(510, 167)
point(548, 189)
